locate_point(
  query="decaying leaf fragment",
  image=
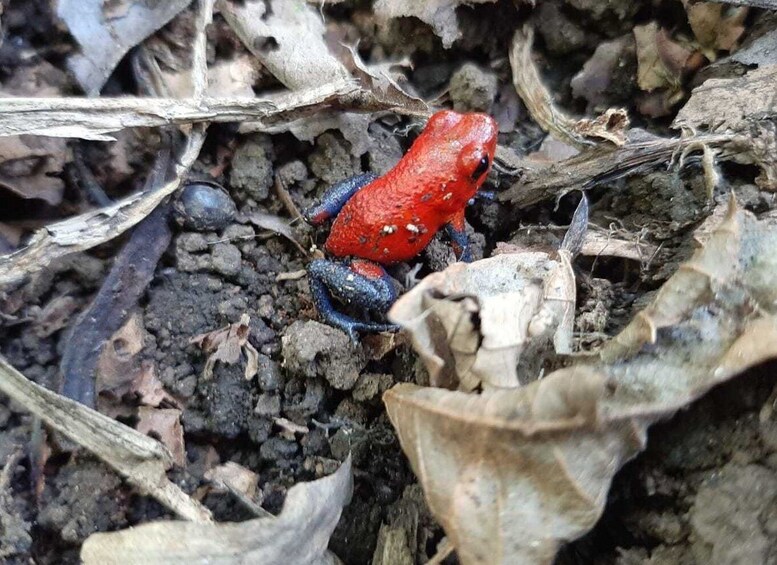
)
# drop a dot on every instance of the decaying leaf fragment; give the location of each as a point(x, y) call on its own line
point(440, 14)
point(299, 535)
point(611, 126)
point(105, 34)
point(141, 459)
point(471, 322)
point(716, 27)
point(512, 474)
point(225, 345)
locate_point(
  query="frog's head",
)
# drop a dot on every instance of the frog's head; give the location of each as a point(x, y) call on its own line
point(463, 145)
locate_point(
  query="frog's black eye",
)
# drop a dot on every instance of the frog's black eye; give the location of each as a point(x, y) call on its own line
point(481, 168)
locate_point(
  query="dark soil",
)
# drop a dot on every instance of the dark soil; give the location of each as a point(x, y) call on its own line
point(704, 491)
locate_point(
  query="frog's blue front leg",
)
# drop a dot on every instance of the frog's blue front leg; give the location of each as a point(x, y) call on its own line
point(335, 198)
point(460, 242)
point(360, 283)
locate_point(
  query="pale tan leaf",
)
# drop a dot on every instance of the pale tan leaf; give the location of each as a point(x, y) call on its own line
point(299, 535)
point(472, 322)
point(512, 474)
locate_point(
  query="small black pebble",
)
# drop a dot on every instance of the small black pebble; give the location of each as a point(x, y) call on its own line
point(204, 206)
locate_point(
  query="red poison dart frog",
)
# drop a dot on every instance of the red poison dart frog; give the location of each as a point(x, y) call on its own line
point(385, 220)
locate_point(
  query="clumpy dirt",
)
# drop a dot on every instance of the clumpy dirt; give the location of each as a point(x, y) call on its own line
point(705, 491)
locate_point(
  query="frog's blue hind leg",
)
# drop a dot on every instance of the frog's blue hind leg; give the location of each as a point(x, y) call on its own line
point(335, 198)
point(361, 283)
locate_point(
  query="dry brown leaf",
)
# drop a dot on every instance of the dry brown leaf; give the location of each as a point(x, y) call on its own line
point(106, 37)
point(660, 60)
point(512, 474)
point(610, 127)
point(226, 344)
point(439, 14)
point(164, 424)
point(31, 167)
point(715, 26)
point(299, 535)
point(287, 36)
point(141, 459)
point(118, 365)
point(149, 389)
point(472, 322)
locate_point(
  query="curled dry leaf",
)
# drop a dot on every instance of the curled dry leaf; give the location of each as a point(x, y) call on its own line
point(512, 474)
point(471, 323)
point(226, 344)
point(299, 535)
point(106, 36)
point(287, 36)
point(610, 126)
point(439, 14)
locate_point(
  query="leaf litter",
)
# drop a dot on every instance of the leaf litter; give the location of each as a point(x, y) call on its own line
point(513, 473)
point(570, 430)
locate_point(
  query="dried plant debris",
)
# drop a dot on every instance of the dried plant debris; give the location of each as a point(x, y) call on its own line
point(288, 38)
point(139, 458)
point(226, 345)
point(731, 103)
point(512, 474)
point(106, 31)
point(439, 14)
point(96, 118)
point(300, 534)
point(610, 126)
point(97, 226)
point(715, 26)
point(472, 322)
point(593, 167)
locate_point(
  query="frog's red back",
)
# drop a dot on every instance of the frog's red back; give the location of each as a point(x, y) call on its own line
point(395, 217)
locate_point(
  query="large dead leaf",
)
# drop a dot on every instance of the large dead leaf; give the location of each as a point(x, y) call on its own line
point(439, 14)
point(107, 30)
point(300, 534)
point(472, 322)
point(512, 474)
